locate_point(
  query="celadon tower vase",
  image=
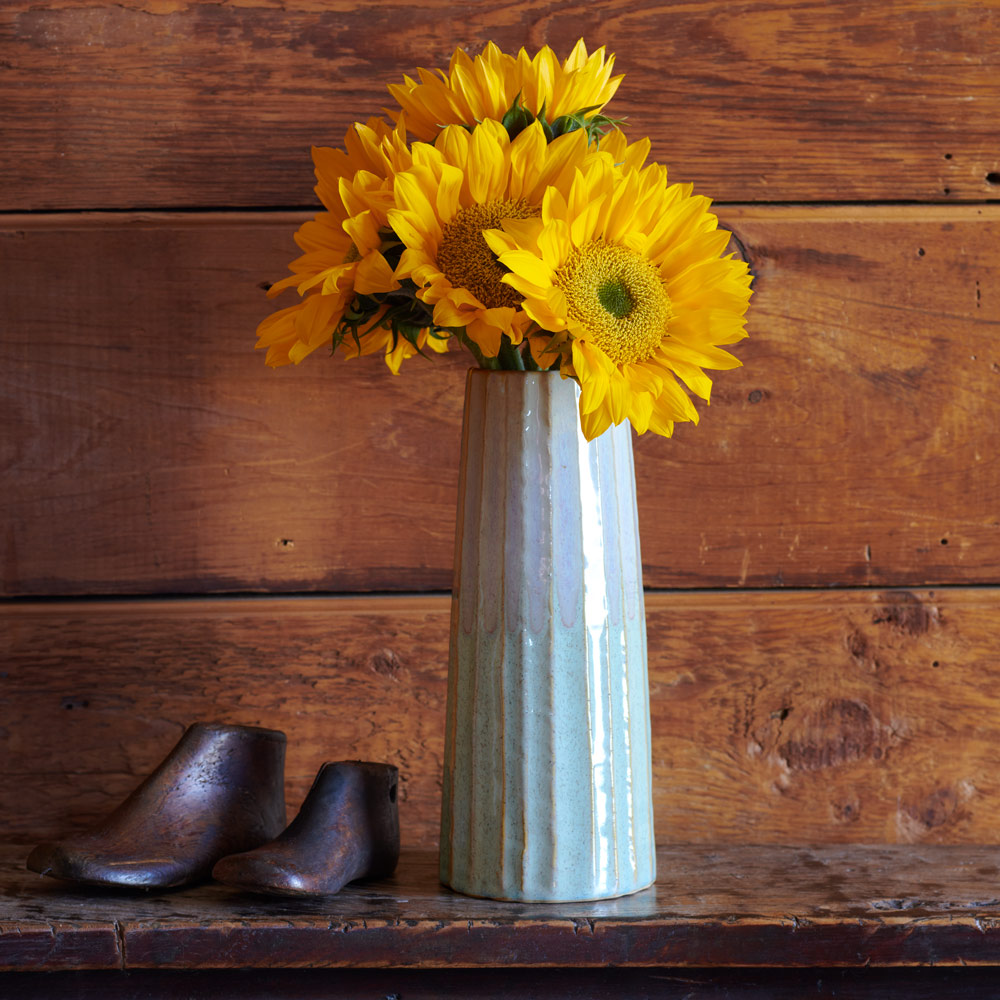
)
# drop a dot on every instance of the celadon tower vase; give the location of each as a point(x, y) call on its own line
point(547, 788)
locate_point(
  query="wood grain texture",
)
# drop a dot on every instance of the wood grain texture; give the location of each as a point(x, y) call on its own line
point(195, 103)
point(147, 448)
point(711, 907)
point(796, 717)
point(915, 983)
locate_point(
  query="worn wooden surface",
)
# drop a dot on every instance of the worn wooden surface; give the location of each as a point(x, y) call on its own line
point(711, 906)
point(195, 103)
point(915, 983)
point(148, 449)
point(782, 717)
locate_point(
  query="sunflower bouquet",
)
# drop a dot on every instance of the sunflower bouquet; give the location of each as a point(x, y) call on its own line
point(501, 210)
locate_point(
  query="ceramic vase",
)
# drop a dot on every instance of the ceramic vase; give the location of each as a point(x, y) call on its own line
point(547, 773)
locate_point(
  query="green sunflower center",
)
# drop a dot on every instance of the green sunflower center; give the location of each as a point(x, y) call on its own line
point(614, 296)
point(353, 254)
point(617, 295)
point(466, 260)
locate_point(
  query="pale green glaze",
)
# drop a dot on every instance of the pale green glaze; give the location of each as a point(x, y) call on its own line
point(547, 776)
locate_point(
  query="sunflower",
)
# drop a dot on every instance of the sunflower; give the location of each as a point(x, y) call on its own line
point(396, 350)
point(457, 189)
point(342, 247)
point(630, 277)
point(489, 85)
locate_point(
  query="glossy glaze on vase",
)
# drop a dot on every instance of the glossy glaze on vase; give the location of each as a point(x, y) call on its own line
point(547, 777)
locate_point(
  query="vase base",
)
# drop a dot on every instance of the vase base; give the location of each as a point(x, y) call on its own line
point(527, 896)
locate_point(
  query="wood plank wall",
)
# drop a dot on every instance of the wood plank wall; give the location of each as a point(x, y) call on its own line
point(187, 535)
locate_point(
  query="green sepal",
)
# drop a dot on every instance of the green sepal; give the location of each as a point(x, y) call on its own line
point(517, 118)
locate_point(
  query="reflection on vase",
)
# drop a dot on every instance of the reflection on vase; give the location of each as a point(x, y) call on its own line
point(547, 775)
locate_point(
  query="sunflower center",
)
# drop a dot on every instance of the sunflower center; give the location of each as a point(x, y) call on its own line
point(353, 254)
point(467, 261)
point(617, 295)
point(614, 296)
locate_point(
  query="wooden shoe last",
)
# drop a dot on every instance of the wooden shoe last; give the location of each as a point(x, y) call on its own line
point(347, 829)
point(219, 791)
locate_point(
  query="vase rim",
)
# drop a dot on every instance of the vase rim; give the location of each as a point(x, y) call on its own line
point(518, 372)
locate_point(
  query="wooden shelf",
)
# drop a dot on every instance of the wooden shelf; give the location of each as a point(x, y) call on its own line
point(766, 907)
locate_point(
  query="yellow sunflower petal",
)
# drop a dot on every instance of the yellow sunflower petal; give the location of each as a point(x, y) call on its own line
point(594, 423)
point(694, 378)
point(554, 244)
point(448, 313)
point(407, 227)
point(336, 280)
point(705, 355)
point(486, 335)
point(363, 229)
point(645, 378)
point(523, 233)
point(577, 59)
point(277, 334)
point(676, 403)
point(528, 289)
point(544, 317)
point(660, 423)
point(696, 327)
point(640, 411)
point(395, 356)
point(504, 319)
point(527, 154)
point(544, 352)
point(439, 345)
point(449, 191)
point(374, 275)
point(411, 195)
point(592, 366)
point(527, 265)
point(488, 167)
point(293, 333)
point(453, 144)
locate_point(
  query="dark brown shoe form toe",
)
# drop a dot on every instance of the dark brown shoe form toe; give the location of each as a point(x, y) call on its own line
point(347, 829)
point(220, 790)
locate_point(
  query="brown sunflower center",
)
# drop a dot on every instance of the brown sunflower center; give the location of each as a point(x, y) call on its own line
point(465, 259)
point(618, 296)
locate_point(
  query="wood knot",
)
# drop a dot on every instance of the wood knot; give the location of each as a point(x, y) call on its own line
point(848, 811)
point(840, 732)
point(860, 649)
point(906, 613)
point(942, 807)
point(386, 663)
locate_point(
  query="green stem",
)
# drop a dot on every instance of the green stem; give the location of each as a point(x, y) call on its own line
point(509, 356)
point(529, 361)
point(473, 349)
